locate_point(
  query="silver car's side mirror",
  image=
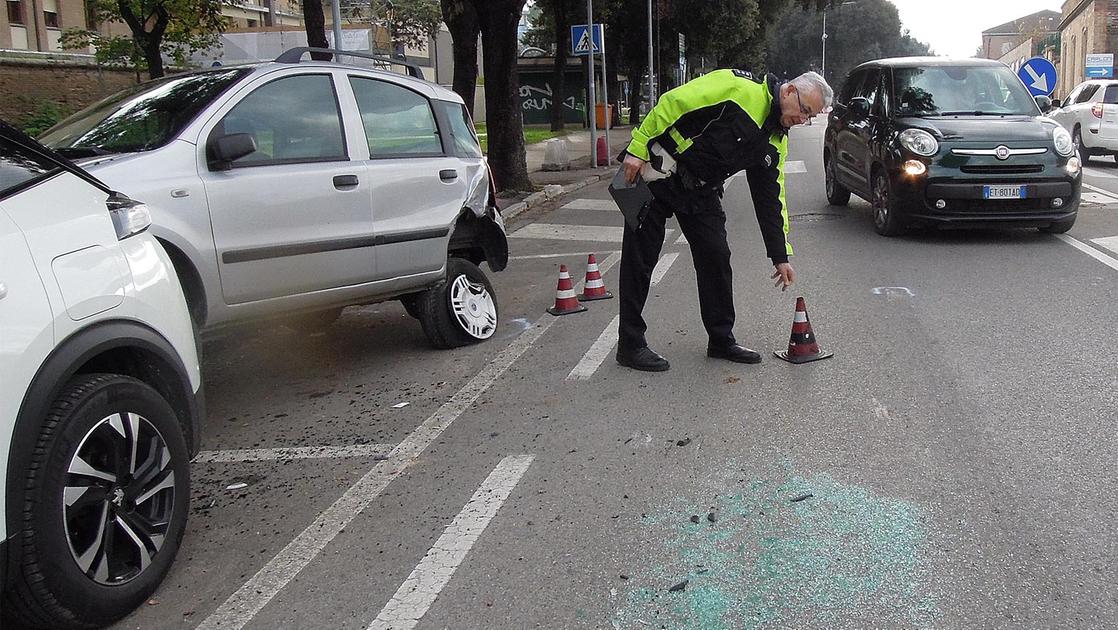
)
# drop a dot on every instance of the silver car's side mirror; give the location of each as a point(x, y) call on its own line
point(224, 150)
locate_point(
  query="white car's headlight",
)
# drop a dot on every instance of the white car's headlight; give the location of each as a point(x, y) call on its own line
point(1062, 139)
point(919, 142)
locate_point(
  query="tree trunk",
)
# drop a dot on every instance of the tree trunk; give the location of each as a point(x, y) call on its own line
point(461, 21)
point(635, 85)
point(559, 75)
point(315, 20)
point(498, 20)
point(153, 57)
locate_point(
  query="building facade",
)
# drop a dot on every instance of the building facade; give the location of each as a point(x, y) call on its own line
point(37, 25)
point(1039, 28)
point(1087, 27)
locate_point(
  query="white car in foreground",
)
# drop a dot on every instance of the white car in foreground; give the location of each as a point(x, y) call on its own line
point(100, 396)
point(1090, 114)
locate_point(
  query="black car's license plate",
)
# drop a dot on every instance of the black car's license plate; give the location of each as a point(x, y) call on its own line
point(1004, 192)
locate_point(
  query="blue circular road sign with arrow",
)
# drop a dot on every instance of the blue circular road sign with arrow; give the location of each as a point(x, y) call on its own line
point(1039, 75)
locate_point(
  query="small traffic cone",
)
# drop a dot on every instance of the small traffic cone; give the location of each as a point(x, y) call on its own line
point(593, 287)
point(565, 300)
point(802, 346)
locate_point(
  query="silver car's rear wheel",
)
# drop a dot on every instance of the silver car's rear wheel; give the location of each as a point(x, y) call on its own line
point(473, 307)
point(460, 310)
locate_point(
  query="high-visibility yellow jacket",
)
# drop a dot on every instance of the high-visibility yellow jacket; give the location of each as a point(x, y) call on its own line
point(721, 123)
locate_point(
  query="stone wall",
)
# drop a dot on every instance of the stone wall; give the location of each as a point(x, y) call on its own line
point(26, 84)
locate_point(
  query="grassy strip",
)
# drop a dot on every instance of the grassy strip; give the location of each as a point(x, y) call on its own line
point(532, 134)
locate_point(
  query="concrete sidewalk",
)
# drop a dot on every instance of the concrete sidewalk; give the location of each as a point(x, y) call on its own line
point(555, 183)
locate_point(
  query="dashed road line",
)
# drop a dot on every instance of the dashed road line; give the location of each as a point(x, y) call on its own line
point(301, 452)
point(602, 347)
point(1110, 242)
point(1090, 251)
point(794, 166)
point(562, 232)
point(590, 204)
point(240, 607)
point(567, 255)
point(415, 596)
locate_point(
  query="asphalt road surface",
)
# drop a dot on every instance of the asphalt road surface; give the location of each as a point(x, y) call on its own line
point(953, 466)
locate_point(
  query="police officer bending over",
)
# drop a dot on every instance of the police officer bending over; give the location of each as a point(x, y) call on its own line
point(695, 137)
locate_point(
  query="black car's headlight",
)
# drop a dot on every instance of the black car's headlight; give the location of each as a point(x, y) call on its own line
point(919, 142)
point(1062, 139)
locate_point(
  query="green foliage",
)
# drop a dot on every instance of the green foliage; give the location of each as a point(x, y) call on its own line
point(171, 28)
point(856, 33)
point(44, 115)
point(410, 22)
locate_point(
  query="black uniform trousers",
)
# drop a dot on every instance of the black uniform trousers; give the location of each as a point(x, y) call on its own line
point(700, 216)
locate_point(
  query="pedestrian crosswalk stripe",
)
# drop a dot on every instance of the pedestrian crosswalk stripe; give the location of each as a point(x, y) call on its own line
point(1101, 191)
point(794, 166)
point(1096, 172)
point(1110, 242)
point(560, 232)
point(590, 204)
point(1090, 251)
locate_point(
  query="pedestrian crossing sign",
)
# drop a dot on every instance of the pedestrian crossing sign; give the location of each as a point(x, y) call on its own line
point(581, 41)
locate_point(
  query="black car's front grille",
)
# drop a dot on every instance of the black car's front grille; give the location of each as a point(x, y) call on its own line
point(1002, 169)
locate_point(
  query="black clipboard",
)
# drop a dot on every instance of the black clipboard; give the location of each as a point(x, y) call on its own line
point(633, 199)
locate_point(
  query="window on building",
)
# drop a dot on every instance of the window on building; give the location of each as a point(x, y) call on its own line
point(50, 14)
point(15, 12)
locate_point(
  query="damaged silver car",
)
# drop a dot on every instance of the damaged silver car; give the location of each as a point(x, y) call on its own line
point(294, 188)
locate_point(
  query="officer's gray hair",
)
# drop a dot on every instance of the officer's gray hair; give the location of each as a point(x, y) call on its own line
point(812, 82)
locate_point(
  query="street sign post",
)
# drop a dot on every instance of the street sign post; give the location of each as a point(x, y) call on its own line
point(1099, 66)
point(1039, 75)
point(581, 40)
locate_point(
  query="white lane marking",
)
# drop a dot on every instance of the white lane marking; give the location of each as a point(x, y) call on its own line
point(1090, 251)
point(415, 596)
point(597, 353)
point(248, 600)
point(590, 204)
point(601, 348)
point(301, 452)
point(1095, 172)
point(682, 240)
point(1101, 191)
point(794, 166)
point(1096, 198)
point(1110, 242)
point(662, 267)
point(541, 256)
point(560, 232)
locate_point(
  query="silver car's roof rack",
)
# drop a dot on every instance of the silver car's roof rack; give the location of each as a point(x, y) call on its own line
point(295, 55)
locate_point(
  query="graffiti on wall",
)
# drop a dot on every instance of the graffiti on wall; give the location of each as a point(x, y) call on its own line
point(535, 98)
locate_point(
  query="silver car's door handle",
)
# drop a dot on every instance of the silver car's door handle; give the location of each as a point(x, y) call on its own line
point(448, 175)
point(3, 290)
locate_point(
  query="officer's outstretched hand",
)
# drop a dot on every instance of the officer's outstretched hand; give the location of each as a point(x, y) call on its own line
point(784, 275)
point(633, 166)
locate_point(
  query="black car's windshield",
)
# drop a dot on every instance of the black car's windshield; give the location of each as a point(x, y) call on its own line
point(961, 90)
point(142, 118)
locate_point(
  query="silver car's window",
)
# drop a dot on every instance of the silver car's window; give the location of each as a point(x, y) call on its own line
point(20, 167)
point(960, 90)
point(462, 128)
point(398, 122)
point(141, 118)
point(293, 119)
point(1110, 97)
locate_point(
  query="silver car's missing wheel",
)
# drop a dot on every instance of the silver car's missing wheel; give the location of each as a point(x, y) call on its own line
point(473, 307)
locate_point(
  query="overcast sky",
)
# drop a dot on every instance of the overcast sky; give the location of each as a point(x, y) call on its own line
point(954, 27)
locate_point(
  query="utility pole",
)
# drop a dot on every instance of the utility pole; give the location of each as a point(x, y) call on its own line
point(651, 90)
point(336, 15)
point(591, 100)
point(605, 99)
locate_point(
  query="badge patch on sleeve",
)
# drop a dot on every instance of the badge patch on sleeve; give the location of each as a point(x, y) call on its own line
point(768, 161)
point(745, 74)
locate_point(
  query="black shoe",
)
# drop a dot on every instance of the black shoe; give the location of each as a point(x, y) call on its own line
point(734, 352)
point(642, 359)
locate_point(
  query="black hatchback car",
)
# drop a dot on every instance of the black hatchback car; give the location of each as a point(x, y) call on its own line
point(951, 143)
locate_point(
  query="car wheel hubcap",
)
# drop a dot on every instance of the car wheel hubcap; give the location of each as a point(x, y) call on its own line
point(119, 498)
point(880, 201)
point(473, 307)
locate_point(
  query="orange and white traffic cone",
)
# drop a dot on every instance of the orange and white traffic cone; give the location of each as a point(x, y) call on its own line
point(565, 301)
point(802, 346)
point(593, 287)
